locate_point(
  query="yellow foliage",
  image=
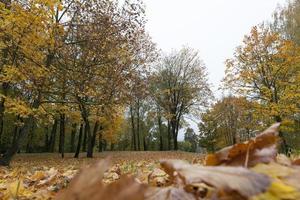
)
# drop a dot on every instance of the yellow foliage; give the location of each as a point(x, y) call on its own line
point(279, 191)
point(112, 124)
point(266, 68)
point(17, 107)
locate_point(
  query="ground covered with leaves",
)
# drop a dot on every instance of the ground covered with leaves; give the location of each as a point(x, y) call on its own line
point(251, 170)
point(41, 176)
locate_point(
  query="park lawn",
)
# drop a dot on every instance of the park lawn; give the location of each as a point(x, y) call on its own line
point(41, 176)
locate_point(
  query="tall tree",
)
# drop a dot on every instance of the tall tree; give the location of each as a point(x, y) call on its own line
point(286, 21)
point(181, 87)
point(24, 33)
point(266, 68)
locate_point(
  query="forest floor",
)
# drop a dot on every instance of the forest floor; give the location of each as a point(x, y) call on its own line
point(41, 176)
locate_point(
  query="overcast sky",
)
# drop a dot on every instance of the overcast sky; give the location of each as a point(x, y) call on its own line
point(214, 27)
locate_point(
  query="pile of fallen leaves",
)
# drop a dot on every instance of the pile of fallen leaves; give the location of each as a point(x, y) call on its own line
point(249, 170)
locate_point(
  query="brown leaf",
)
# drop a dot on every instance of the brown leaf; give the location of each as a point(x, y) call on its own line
point(283, 160)
point(88, 185)
point(226, 180)
point(261, 149)
point(168, 193)
point(293, 179)
point(158, 178)
point(296, 162)
point(86, 181)
point(123, 189)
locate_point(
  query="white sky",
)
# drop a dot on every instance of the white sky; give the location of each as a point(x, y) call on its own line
point(214, 27)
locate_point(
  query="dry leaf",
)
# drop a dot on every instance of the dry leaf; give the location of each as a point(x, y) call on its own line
point(296, 162)
point(261, 149)
point(86, 181)
point(158, 178)
point(88, 185)
point(228, 180)
point(168, 193)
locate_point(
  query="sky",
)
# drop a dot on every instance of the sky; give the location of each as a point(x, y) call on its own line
point(213, 27)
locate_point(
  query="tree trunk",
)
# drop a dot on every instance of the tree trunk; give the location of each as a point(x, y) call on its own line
point(1, 118)
point(161, 145)
point(176, 133)
point(53, 136)
point(133, 128)
point(7, 157)
point(62, 135)
point(112, 146)
point(169, 135)
point(73, 135)
point(84, 139)
point(145, 144)
point(91, 143)
point(15, 134)
point(88, 139)
point(29, 148)
point(79, 141)
point(96, 129)
point(173, 127)
point(138, 125)
point(46, 141)
point(100, 149)
point(284, 146)
point(104, 145)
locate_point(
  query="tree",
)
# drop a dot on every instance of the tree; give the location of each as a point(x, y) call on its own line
point(180, 87)
point(107, 43)
point(287, 21)
point(24, 37)
point(266, 69)
point(229, 121)
point(191, 137)
point(64, 57)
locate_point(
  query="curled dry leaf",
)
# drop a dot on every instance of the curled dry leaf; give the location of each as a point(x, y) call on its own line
point(227, 181)
point(261, 149)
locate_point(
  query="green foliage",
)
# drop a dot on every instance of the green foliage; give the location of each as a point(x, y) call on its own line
point(185, 146)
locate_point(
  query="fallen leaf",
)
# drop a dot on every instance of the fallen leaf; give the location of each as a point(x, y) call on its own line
point(38, 175)
point(158, 178)
point(283, 160)
point(228, 180)
point(261, 149)
point(85, 182)
point(296, 162)
point(168, 193)
point(279, 191)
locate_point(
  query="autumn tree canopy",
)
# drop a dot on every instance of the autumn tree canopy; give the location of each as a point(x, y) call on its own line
point(180, 86)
